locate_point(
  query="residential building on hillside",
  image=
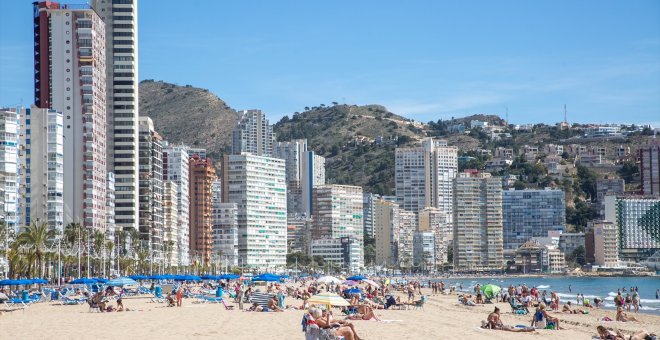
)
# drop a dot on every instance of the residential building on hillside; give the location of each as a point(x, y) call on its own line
point(424, 174)
point(122, 94)
point(41, 171)
point(649, 168)
point(202, 176)
point(637, 220)
point(531, 213)
point(70, 77)
point(608, 187)
point(253, 134)
point(151, 189)
point(257, 185)
point(478, 235)
point(176, 169)
point(386, 232)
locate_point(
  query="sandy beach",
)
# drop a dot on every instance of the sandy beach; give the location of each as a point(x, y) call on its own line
point(442, 318)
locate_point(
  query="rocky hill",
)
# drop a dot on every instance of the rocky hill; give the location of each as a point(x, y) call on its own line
point(190, 115)
point(357, 141)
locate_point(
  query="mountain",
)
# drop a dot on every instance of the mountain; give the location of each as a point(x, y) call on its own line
point(190, 115)
point(344, 135)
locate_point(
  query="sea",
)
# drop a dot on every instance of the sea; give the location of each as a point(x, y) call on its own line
point(568, 287)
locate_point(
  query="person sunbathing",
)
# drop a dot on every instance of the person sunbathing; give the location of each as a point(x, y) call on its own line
point(272, 305)
point(623, 317)
point(568, 308)
point(494, 322)
point(364, 312)
point(348, 332)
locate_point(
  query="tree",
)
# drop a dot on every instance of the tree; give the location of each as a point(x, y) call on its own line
point(587, 179)
point(629, 171)
point(578, 256)
point(36, 236)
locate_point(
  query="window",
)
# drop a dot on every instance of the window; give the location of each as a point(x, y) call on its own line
point(122, 2)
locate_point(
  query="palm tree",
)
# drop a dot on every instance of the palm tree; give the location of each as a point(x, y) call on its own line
point(99, 242)
point(109, 246)
point(35, 236)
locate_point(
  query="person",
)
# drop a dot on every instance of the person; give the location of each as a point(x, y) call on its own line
point(542, 312)
point(618, 300)
point(179, 296)
point(170, 299)
point(628, 302)
point(569, 289)
point(99, 300)
point(273, 305)
point(597, 302)
point(494, 322)
point(606, 334)
point(120, 305)
point(636, 301)
point(623, 317)
point(364, 312)
point(657, 294)
point(568, 308)
point(347, 332)
point(239, 296)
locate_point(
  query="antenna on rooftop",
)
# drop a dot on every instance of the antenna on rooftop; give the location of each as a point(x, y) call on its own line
point(565, 120)
point(507, 115)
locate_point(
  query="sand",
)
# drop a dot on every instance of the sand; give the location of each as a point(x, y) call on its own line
point(442, 318)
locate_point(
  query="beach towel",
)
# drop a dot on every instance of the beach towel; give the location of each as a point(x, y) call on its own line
point(261, 298)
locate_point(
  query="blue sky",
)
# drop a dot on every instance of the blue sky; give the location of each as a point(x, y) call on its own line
point(423, 59)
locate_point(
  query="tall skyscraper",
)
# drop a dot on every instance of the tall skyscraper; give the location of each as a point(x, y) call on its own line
point(531, 213)
point(202, 176)
point(337, 212)
point(649, 168)
point(225, 232)
point(606, 244)
point(423, 176)
point(478, 239)
point(253, 134)
point(121, 60)
point(170, 223)
point(368, 207)
point(257, 185)
point(407, 227)
point(41, 167)
point(69, 65)
point(9, 169)
point(435, 220)
point(386, 225)
point(151, 189)
point(176, 169)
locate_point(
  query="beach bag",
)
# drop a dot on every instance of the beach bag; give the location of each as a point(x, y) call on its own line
point(521, 311)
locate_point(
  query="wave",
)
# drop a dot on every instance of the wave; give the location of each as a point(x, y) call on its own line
point(543, 287)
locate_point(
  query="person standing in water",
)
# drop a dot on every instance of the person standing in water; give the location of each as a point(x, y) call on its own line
point(569, 289)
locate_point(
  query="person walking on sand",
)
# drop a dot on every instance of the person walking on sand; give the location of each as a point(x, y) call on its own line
point(179, 296)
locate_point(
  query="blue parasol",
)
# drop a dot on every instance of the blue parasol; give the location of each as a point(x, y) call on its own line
point(83, 280)
point(267, 277)
point(356, 278)
point(121, 281)
point(228, 277)
point(138, 277)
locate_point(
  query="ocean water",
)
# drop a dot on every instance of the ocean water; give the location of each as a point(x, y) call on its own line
point(602, 287)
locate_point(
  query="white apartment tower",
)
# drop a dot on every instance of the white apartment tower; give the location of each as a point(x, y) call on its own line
point(69, 62)
point(42, 167)
point(151, 189)
point(9, 169)
point(176, 169)
point(170, 223)
point(478, 236)
point(257, 185)
point(424, 175)
point(253, 134)
point(121, 53)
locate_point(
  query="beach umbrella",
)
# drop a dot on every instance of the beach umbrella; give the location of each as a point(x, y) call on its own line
point(328, 280)
point(138, 277)
point(356, 278)
point(100, 280)
point(38, 281)
point(121, 281)
point(83, 281)
point(12, 282)
point(490, 290)
point(228, 277)
point(350, 283)
point(328, 299)
point(156, 277)
point(353, 291)
point(267, 277)
point(367, 281)
point(209, 277)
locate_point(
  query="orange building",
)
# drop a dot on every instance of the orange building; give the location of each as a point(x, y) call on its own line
point(202, 175)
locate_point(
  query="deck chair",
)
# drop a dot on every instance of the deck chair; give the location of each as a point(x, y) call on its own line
point(227, 307)
point(158, 297)
point(420, 304)
point(516, 308)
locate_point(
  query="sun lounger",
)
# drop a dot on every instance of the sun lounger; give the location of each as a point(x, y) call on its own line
point(420, 304)
point(517, 309)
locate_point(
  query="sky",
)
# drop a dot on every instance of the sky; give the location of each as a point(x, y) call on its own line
point(426, 60)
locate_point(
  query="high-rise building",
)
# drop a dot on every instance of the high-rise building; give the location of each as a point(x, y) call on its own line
point(202, 176)
point(9, 169)
point(424, 174)
point(69, 76)
point(608, 187)
point(649, 168)
point(121, 60)
point(342, 251)
point(41, 166)
point(170, 223)
point(337, 212)
point(435, 220)
point(110, 204)
point(299, 233)
point(606, 244)
point(478, 239)
point(531, 213)
point(386, 230)
point(407, 227)
point(151, 189)
point(304, 170)
point(225, 232)
point(257, 185)
point(176, 169)
point(368, 207)
point(637, 220)
point(253, 134)
point(424, 249)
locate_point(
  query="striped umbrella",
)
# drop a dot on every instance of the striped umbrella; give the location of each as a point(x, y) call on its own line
point(328, 299)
